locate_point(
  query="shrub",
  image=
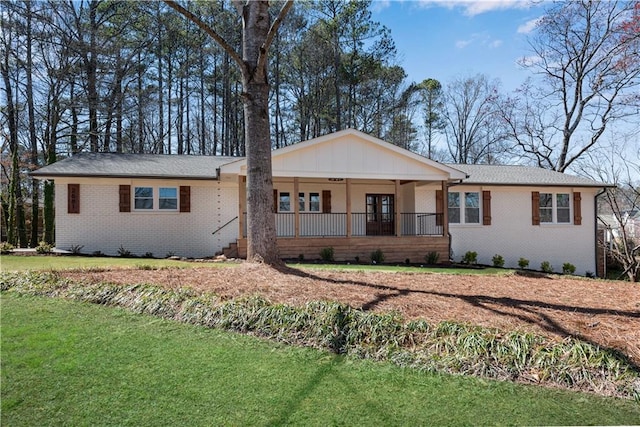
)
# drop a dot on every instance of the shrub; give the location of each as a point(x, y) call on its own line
point(498, 261)
point(568, 268)
point(432, 258)
point(327, 254)
point(148, 254)
point(546, 267)
point(470, 258)
point(523, 263)
point(76, 249)
point(301, 257)
point(6, 247)
point(97, 253)
point(377, 257)
point(44, 248)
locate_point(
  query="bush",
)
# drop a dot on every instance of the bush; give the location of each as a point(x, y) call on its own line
point(327, 254)
point(377, 257)
point(148, 255)
point(470, 258)
point(76, 249)
point(432, 258)
point(44, 248)
point(6, 247)
point(568, 268)
point(498, 261)
point(523, 263)
point(546, 267)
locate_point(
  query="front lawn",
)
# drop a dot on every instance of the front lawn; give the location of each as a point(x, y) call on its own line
point(66, 262)
point(70, 363)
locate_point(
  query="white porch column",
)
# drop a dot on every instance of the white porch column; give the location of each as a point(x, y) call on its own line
point(396, 208)
point(445, 208)
point(348, 183)
point(296, 206)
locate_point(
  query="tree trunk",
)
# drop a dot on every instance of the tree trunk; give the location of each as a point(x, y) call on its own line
point(261, 231)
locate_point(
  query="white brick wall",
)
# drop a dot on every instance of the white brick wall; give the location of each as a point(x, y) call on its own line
point(512, 235)
point(101, 227)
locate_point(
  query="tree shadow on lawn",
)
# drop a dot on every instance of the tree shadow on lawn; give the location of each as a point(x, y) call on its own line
point(528, 311)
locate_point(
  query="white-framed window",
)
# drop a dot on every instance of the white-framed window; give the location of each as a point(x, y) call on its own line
point(143, 198)
point(314, 202)
point(168, 198)
point(464, 207)
point(146, 198)
point(284, 202)
point(555, 208)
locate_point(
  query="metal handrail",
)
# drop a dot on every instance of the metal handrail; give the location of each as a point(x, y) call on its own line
point(227, 223)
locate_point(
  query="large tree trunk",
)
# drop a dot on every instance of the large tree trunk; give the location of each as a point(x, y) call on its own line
point(261, 231)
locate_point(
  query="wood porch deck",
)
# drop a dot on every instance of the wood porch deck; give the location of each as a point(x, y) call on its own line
point(396, 249)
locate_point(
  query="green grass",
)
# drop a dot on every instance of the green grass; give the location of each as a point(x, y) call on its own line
point(70, 363)
point(63, 262)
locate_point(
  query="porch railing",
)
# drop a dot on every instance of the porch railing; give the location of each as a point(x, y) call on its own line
point(362, 224)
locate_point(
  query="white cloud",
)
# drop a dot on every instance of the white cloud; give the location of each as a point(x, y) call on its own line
point(380, 5)
point(528, 26)
point(477, 7)
point(482, 39)
point(461, 44)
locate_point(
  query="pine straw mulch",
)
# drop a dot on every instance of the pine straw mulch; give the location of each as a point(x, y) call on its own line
point(606, 313)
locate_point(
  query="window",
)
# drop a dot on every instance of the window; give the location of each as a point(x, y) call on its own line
point(471, 208)
point(168, 198)
point(563, 209)
point(314, 202)
point(454, 208)
point(143, 198)
point(152, 198)
point(470, 202)
point(546, 207)
point(301, 203)
point(284, 204)
point(555, 208)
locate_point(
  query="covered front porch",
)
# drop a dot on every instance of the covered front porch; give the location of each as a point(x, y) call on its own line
point(406, 220)
point(356, 194)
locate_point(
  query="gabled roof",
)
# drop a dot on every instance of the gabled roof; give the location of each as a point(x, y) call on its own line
point(117, 165)
point(350, 153)
point(522, 175)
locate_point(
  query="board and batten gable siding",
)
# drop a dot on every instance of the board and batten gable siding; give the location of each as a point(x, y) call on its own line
point(100, 226)
point(514, 235)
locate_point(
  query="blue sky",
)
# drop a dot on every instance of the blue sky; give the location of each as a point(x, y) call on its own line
point(458, 38)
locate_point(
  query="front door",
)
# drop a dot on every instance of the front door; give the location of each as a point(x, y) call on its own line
point(380, 217)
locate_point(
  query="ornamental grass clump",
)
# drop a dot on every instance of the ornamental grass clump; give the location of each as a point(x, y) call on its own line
point(447, 347)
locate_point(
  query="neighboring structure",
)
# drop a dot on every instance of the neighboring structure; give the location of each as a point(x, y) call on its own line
point(346, 190)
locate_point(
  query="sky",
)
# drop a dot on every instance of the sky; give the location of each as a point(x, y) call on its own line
point(460, 38)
